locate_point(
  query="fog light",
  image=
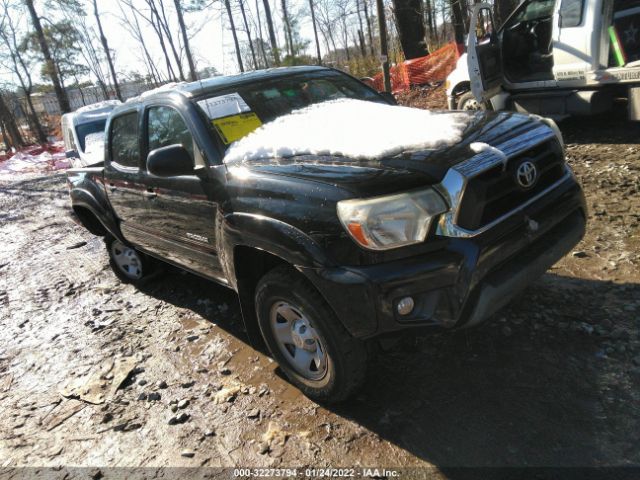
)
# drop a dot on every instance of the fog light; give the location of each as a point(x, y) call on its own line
point(405, 306)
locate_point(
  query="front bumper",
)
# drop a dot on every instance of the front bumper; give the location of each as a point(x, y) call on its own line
point(467, 281)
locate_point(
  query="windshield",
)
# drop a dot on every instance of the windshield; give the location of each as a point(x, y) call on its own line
point(239, 110)
point(85, 129)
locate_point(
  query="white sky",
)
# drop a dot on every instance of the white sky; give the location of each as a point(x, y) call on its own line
point(212, 45)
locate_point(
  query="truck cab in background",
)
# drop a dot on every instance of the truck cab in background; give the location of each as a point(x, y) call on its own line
point(83, 133)
point(552, 57)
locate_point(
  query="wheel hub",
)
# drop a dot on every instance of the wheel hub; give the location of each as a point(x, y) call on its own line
point(303, 336)
point(127, 260)
point(298, 341)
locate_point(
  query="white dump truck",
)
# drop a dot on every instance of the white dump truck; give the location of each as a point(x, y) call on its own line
point(83, 132)
point(551, 57)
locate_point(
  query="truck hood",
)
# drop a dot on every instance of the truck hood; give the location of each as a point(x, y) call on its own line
point(367, 177)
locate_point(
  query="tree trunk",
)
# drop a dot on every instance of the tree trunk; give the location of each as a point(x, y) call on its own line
point(164, 24)
point(410, 28)
point(272, 33)
point(315, 31)
point(428, 18)
point(360, 30)
point(61, 94)
point(185, 39)
point(457, 21)
point(384, 52)
point(235, 35)
point(264, 53)
point(368, 19)
point(465, 15)
point(246, 27)
point(107, 52)
point(287, 29)
point(10, 125)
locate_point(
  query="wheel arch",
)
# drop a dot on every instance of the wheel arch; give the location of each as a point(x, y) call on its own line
point(460, 88)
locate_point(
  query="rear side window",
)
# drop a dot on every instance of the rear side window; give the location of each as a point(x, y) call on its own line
point(166, 127)
point(125, 147)
point(571, 13)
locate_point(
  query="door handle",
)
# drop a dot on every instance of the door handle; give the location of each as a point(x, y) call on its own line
point(149, 193)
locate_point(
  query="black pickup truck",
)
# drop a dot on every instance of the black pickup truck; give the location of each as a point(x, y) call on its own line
point(329, 248)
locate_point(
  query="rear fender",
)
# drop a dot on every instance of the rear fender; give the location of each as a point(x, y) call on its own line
point(82, 198)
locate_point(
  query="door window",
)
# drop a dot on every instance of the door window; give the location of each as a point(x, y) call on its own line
point(125, 147)
point(571, 13)
point(534, 10)
point(166, 127)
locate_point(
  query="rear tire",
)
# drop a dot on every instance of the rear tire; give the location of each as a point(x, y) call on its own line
point(468, 102)
point(128, 264)
point(304, 336)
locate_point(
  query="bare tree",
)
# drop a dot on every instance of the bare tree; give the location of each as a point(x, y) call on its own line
point(185, 40)
point(132, 24)
point(19, 66)
point(315, 31)
point(411, 27)
point(246, 27)
point(368, 19)
point(61, 94)
point(384, 52)
point(10, 131)
point(360, 30)
point(457, 20)
point(272, 33)
point(262, 49)
point(287, 29)
point(107, 52)
point(235, 35)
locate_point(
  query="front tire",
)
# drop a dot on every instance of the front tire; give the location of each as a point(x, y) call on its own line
point(304, 336)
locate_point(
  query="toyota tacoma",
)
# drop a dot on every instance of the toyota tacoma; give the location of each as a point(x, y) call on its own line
point(338, 217)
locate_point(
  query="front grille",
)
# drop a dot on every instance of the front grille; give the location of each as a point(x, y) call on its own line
point(495, 192)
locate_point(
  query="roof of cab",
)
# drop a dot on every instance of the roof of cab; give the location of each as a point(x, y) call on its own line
point(92, 112)
point(207, 85)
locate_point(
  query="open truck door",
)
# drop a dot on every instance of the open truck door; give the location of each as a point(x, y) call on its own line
point(484, 57)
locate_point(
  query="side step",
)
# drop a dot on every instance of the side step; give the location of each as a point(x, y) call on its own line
point(564, 102)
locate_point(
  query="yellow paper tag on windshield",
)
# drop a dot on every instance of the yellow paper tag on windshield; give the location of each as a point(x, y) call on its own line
point(236, 126)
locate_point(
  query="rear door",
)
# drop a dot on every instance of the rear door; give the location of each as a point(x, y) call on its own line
point(484, 54)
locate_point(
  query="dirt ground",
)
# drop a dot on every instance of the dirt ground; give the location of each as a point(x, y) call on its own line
point(552, 380)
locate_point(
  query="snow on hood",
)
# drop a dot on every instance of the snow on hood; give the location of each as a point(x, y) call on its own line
point(351, 128)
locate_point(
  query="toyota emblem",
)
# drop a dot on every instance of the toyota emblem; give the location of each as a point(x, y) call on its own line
point(526, 174)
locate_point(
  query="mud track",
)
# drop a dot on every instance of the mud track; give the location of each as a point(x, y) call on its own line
point(552, 380)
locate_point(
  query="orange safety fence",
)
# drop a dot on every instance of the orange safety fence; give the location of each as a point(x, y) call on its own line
point(420, 71)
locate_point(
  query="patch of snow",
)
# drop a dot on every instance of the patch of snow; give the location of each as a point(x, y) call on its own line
point(36, 159)
point(350, 128)
point(106, 104)
point(162, 88)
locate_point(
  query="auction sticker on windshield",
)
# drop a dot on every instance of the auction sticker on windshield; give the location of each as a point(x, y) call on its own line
point(235, 127)
point(224, 105)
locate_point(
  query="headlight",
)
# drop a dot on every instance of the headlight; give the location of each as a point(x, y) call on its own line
point(392, 221)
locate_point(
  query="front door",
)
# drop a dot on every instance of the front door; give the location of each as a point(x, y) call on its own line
point(181, 210)
point(483, 54)
point(123, 176)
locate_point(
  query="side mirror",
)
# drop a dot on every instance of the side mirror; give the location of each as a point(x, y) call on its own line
point(388, 96)
point(71, 154)
point(171, 161)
